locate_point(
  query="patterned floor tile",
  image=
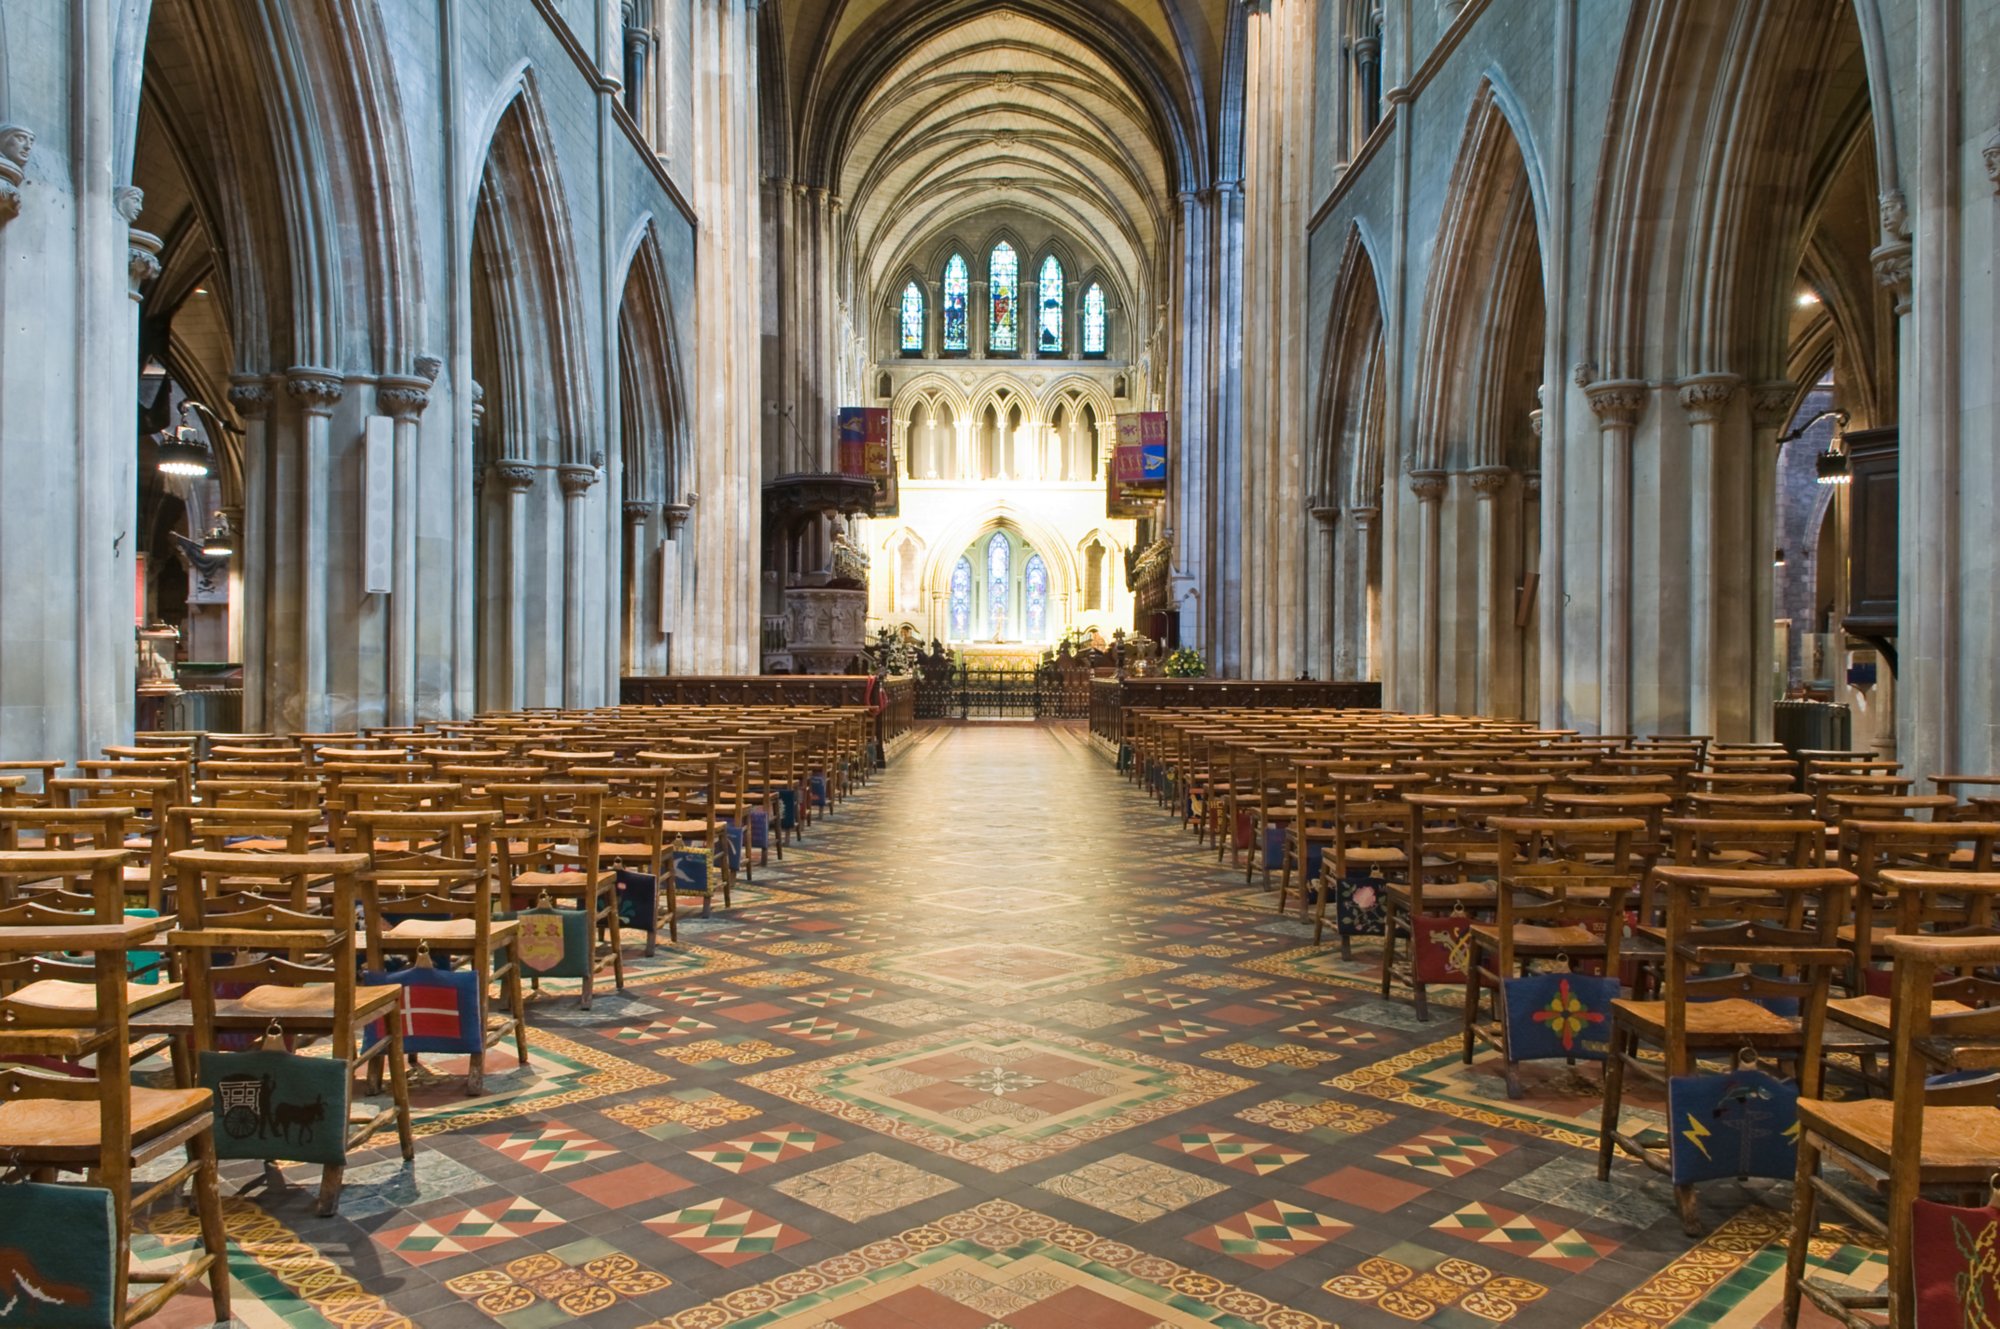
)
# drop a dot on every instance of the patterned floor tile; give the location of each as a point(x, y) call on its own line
point(1164, 998)
point(1445, 1154)
point(1302, 1113)
point(629, 1185)
point(833, 996)
point(818, 1029)
point(724, 1232)
point(1257, 1056)
point(910, 1013)
point(858, 1189)
point(1366, 1189)
point(1132, 1187)
point(764, 1148)
point(732, 1051)
point(551, 1148)
point(447, 1235)
point(689, 1109)
point(1339, 1034)
point(1416, 1284)
point(1177, 1033)
point(1271, 1234)
point(1237, 1151)
point(652, 1032)
point(1085, 1014)
point(570, 1281)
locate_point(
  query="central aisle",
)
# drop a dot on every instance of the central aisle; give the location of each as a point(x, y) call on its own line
point(997, 1043)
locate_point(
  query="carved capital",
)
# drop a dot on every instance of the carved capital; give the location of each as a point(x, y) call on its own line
point(1892, 269)
point(638, 510)
point(1706, 396)
point(1617, 401)
point(1531, 486)
point(1771, 403)
point(517, 476)
point(250, 397)
point(1428, 486)
point(317, 391)
point(575, 479)
point(1363, 519)
point(1489, 480)
point(1326, 517)
point(676, 515)
point(142, 260)
point(403, 398)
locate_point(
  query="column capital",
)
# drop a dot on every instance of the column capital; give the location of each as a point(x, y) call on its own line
point(142, 259)
point(575, 478)
point(1892, 269)
point(637, 510)
point(1531, 486)
point(1617, 401)
point(1706, 396)
point(1488, 481)
point(1326, 516)
point(250, 397)
point(676, 515)
point(517, 476)
point(1771, 403)
point(1428, 486)
point(318, 391)
point(402, 396)
point(1363, 518)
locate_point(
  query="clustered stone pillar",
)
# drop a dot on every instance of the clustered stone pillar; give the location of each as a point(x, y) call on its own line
point(1495, 625)
point(1366, 633)
point(1705, 397)
point(1428, 486)
point(638, 522)
point(518, 477)
point(403, 399)
point(317, 392)
point(1617, 404)
point(1770, 407)
point(251, 399)
point(1324, 591)
point(576, 480)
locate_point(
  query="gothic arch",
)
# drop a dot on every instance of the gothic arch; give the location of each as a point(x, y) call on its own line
point(1064, 573)
point(1346, 466)
point(652, 393)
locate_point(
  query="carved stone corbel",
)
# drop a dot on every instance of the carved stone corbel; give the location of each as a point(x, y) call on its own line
point(1991, 152)
point(1892, 269)
point(1771, 404)
point(250, 397)
point(575, 479)
point(676, 515)
point(1706, 396)
point(517, 476)
point(318, 391)
point(401, 397)
point(16, 142)
point(1428, 486)
point(142, 260)
point(1488, 481)
point(637, 510)
point(1617, 401)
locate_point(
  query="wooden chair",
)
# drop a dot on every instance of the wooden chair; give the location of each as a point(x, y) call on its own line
point(1564, 884)
point(1900, 1146)
point(1871, 847)
point(293, 970)
point(1451, 839)
point(1746, 921)
point(548, 852)
point(632, 835)
point(105, 1127)
point(693, 781)
point(431, 890)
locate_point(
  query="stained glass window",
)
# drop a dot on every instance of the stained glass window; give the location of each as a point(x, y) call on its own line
point(999, 564)
point(1049, 294)
point(913, 319)
point(1003, 286)
point(1093, 320)
point(961, 600)
point(1036, 578)
point(957, 288)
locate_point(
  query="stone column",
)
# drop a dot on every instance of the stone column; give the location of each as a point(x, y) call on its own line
point(576, 480)
point(252, 402)
point(674, 517)
point(638, 516)
point(1495, 622)
point(1705, 397)
point(1428, 486)
point(1323, 625)
point(1531, 560)
point(1770, 409)
point(1617, 404)
point(1361, 544)
point(518, 477)
point(318, 392)
point(403, 399)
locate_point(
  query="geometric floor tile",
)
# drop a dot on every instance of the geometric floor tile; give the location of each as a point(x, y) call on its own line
point(1416, 1284)
point(658, 1029)
point(1445, 1154)
point(1535, 1238)
point(550, 1148)
point(629, 1185)
point(1368, 1190)
point(570, 1281)
point(1174, 1033)
point(913, 1011)
point(467, 1230)
point(724, 1232)
point(818, 1029)
point(1239, 1152)
point(1241, 1014)
point(765, 1147)
point(1322, 1032)
point(1271, 1234)
point(996, 1093)
point(692, 996)
point(1299, 999)
point(689, 1109)
point(858, 1189)
point(1165, 999)
point(1256, 1056)
point(732, 1051)
point(835, 996)
point(1132, 1188)
point(1300, 1113)
point(1083, 1013)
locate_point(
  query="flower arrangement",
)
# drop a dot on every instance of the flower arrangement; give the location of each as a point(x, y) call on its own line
point(1185, 663)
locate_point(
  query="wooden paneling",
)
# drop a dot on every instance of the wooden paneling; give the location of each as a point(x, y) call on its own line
point(1109, 697)
point(1872, 564)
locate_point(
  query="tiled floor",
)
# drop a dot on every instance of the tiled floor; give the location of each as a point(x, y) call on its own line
point(998, 1045)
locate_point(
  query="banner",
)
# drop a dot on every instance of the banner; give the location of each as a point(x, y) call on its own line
point(864, 441)
point(1140, 461)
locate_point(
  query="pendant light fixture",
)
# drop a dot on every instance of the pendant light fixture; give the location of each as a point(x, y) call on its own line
point(183, 451)
point(219, 543)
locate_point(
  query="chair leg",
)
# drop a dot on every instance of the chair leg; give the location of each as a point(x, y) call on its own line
point(1388, 945)
point(1614, 1094)
point(208, 1208)
point(399, 1088)
point(1472, 1018)
point(1686, 1203)
point(330, 1179)
point(1805, 1201)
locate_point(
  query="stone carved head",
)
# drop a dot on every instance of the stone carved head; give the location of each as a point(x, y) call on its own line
point(16, 142)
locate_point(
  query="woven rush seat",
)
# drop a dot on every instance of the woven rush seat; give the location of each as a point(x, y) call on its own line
point(54, 1129)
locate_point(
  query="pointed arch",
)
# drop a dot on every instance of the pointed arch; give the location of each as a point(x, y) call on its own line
point(1346, 465)
point(653, 425)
